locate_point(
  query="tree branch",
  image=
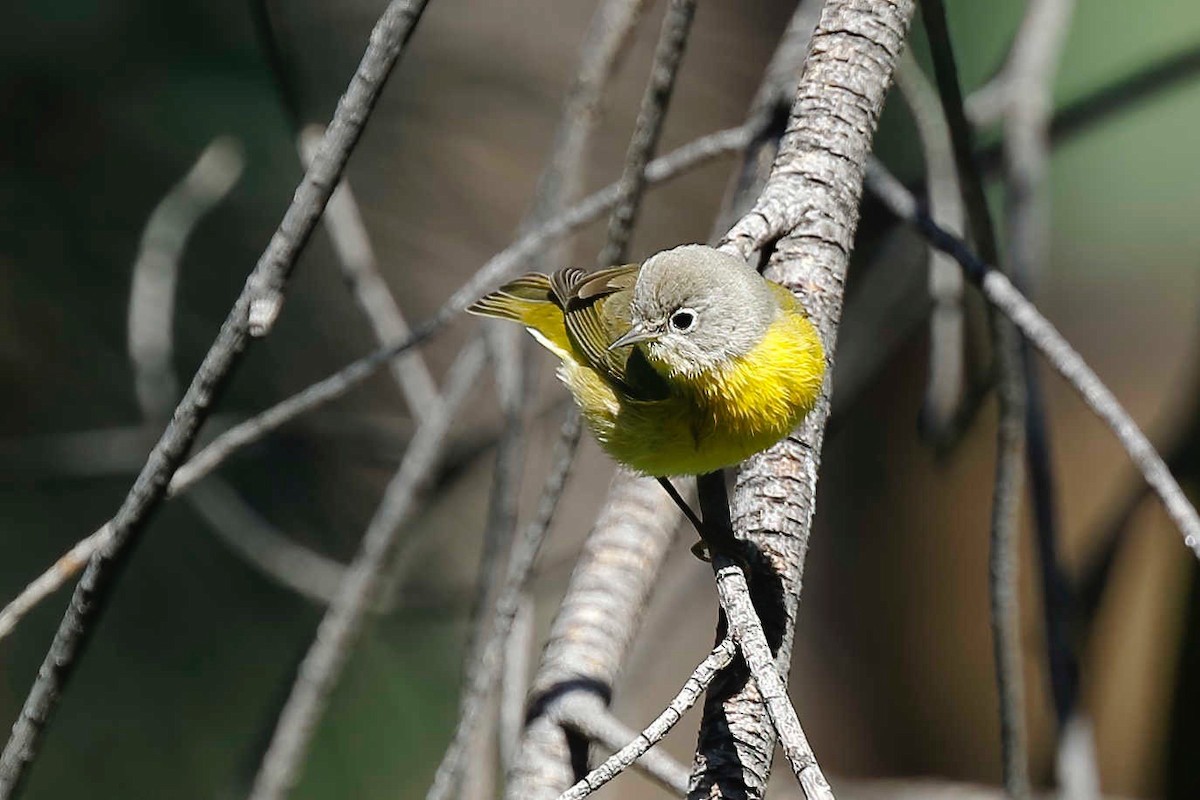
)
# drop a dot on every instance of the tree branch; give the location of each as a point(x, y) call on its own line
point(747, 631)
point(1028, 83)
point(588, 715)
point(696, 684)
point(340, 627)
point(603, 602)
point(483, 671)
point(360, 267)
point(1000, 291)
point(808, 211)
point(265, 283)
point(945, 384)
point(668, 54)
point(151, 352)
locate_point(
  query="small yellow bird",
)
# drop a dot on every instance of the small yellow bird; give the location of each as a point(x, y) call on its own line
point(682, 365)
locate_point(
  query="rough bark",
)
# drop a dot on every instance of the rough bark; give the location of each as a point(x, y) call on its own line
point(809, 211)
point(591, 636)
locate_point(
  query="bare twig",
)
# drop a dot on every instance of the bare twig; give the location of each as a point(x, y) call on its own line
point(588, 715)
point(246, 533)
point(667, 55)
point(768, 113)
point(583, 654)
point(945, 70)
point(1003, 558)
point(514, 681)
point(656, 731)
point(561, 180)
point(508, 359)
point(266, 282)
point(808, 211)
point(747, 632)
point(1028, 82)
point(607, 39)
point(595, 625)
point(482, 672)
point(1010, 430)
point(347, 233)
point(360, 267)
point(151, 328)
point(343, 622)
point(675, 163)
point(945, 384)
point(50, 581)
point(1083, 113)
point(1000, 291)
point(156, 271)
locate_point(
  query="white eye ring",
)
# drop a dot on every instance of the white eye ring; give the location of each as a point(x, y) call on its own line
point(684, 319)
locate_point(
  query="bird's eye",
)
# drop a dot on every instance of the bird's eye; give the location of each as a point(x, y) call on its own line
point(683, 320)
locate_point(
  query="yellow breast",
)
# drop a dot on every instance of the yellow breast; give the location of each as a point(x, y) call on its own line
point(714, 419)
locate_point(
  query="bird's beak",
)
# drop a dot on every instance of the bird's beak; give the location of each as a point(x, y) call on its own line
point(638, 333)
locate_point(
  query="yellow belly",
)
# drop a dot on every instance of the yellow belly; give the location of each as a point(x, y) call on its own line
point(713, 420)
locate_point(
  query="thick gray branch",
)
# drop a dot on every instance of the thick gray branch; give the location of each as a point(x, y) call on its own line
point(809, 208)
point(595, 625)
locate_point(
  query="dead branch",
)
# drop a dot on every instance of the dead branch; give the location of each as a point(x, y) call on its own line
point(482, 671)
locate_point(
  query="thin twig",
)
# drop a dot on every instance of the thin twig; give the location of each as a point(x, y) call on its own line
point(945, 383)
point(347, 233)
point(259, 543)
point(264, 286)
point(767, 115)
point(560, 183)
point(675, 163)
point(360, 267)
point(656, 731)
point(1028, 82)
point(508, 357)
point(672, 39)
point(1000, 291)
point(587, 715)
point(481, 678)
point(342, 624)
point(1003, 558)
point(151, 324)
point(1010, 431)
point(607, 39)
point(550, 757)
point(746, 629)
point(517, 664)
point(155, 273)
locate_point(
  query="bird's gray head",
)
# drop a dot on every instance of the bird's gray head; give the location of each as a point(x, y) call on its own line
point(694, 308)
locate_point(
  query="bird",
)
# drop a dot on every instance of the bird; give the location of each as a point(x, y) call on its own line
point(682, 365)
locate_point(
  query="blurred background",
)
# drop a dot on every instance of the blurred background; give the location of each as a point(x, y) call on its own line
point(107, 105)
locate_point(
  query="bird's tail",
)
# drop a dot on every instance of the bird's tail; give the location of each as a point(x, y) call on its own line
point(518, 300)
point(531, 301)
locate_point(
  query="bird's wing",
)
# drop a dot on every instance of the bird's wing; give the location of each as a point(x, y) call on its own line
point(596, 311)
